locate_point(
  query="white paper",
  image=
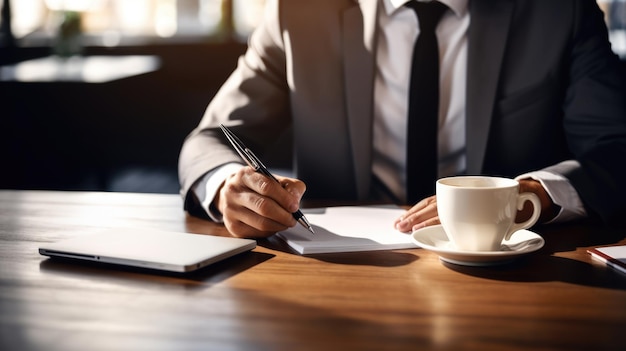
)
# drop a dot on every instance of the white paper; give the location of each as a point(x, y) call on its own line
point(348, 229)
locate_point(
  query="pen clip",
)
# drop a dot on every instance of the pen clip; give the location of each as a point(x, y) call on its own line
point(253, 160)
point(246, 154)
point(237, 144)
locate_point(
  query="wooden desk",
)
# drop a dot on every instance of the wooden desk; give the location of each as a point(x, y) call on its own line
point(269, 299)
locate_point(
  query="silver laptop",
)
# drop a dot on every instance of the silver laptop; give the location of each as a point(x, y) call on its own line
point(146, 248)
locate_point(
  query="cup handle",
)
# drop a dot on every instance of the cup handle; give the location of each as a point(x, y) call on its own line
point(521, 199)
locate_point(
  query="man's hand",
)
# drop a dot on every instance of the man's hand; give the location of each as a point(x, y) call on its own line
point(549, 209)
point(255, 206)
point(424, 213)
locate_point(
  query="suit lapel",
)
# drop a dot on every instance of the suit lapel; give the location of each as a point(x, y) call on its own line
point(359, 33)
point(489, 27)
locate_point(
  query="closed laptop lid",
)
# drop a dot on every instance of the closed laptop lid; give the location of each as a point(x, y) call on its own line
point(147, 248)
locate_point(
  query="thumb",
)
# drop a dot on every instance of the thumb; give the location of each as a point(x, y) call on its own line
point(293, 186)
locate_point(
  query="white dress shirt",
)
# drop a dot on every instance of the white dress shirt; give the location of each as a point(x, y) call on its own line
point(398, 30)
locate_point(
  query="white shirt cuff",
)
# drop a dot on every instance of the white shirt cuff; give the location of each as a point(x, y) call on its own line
point(212, 182)
point(562, 194)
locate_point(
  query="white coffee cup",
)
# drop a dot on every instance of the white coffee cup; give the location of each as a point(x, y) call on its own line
point(478, 212)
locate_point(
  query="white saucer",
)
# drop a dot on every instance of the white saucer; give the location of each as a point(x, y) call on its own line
point(434, 238)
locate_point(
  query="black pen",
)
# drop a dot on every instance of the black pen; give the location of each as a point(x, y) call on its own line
point(253, 161)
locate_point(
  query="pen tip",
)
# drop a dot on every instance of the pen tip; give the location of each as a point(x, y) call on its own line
point(305, 223)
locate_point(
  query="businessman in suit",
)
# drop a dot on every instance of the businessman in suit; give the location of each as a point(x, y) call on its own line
point(528, 89)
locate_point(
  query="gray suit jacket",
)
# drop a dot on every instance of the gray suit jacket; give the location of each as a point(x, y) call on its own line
point(543, 86)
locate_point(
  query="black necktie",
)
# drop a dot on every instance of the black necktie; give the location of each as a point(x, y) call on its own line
point(423, 104)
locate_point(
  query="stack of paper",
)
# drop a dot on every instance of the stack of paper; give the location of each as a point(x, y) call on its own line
point(348, 229)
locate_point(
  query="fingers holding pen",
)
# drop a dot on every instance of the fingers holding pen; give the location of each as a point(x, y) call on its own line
point(254, 205)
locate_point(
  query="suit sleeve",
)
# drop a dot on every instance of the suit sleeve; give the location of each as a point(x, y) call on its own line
point(595, 117)
point(253, 102)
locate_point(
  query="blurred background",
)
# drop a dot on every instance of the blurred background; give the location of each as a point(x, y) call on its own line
point(99, 94)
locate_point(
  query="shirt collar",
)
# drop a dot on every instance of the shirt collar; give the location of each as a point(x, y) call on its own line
point(459, 7)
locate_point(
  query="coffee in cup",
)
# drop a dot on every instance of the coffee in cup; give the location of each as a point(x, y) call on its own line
point(478, 212)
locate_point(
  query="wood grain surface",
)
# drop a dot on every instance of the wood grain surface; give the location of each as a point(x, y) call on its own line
point(272, 299)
